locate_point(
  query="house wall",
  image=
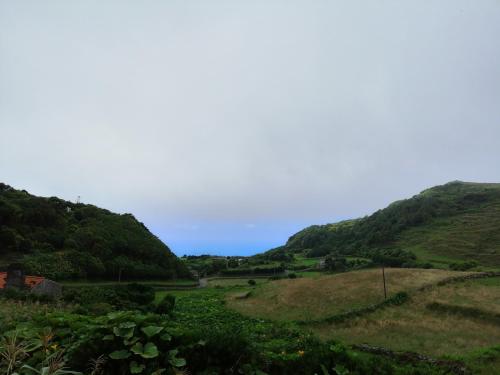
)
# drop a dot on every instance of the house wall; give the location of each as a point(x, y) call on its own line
point(15, 279)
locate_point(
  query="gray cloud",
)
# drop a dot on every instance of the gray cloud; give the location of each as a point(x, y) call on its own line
point(200, 115)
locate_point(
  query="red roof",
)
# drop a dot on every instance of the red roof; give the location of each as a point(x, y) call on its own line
point(29, 281)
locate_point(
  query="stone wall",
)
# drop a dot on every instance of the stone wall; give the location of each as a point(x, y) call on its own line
point(48, 287)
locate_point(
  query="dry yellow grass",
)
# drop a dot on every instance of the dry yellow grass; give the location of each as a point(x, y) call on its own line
point(413, 327)
point(306, 298)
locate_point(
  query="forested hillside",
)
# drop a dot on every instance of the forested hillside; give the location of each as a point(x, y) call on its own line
point(64, 240)
point(455, 221)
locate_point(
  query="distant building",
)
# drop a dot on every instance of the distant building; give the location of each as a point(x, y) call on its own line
point(15, 278)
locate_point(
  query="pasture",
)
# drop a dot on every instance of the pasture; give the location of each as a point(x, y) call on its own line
point(468, 318)
point(320, 297)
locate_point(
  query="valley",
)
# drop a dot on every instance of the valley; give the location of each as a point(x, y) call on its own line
point(422, 299)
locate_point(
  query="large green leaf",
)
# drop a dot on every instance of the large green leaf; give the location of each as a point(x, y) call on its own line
point(120, 354)
point(150, 350)
point(138, 348)
point(166, 337)
point(147, 351)
point(131, 341)
point(136, 368)
point(177, 362)
point(125, 330)
point(174, 361)
point(150, 331)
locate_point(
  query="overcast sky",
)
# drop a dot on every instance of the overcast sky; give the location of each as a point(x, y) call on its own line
point(226, 126)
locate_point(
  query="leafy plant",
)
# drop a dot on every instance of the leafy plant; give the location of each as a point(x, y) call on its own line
point(166, 305)
point(52, 365)
point(12, 352)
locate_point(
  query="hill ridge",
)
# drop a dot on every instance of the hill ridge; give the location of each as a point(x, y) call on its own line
point(463, 214)
point(61, 240)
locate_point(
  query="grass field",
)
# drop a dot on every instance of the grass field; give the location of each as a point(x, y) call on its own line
point(300, 260)
point(414, 327)
point(316, 298)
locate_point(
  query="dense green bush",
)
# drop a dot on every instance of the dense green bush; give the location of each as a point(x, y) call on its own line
point(464, 266)
point(126, 297)
point(277, 277)
point(393, 257)
point(16, 294)
point(166, 305)
point(253, 271)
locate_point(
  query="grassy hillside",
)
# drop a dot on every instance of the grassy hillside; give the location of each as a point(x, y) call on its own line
point(467, 320)
point(459, 319)
point(63, 240)
point(292, 299)
point(455, 221)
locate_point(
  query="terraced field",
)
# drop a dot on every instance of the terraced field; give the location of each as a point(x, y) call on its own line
point(316, 298)
point(468, 318)
point(458, 320)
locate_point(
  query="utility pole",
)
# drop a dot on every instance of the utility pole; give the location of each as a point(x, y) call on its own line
point(383, 278)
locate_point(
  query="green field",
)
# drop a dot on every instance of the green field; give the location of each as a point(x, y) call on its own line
point(304, 261)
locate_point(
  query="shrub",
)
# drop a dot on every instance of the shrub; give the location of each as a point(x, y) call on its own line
point(393, 257)
point(100, 308)
point(14, 294)
point(131, 343)
point(166, 305)
point(463, 266)
point(25, 295)
point(125, 297)
point(251, 282)
point(292, 275)
point(276, 277)
point(218, 348)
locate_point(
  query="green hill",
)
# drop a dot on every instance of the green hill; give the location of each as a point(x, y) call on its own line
point(458, 221)
point(64, 240)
